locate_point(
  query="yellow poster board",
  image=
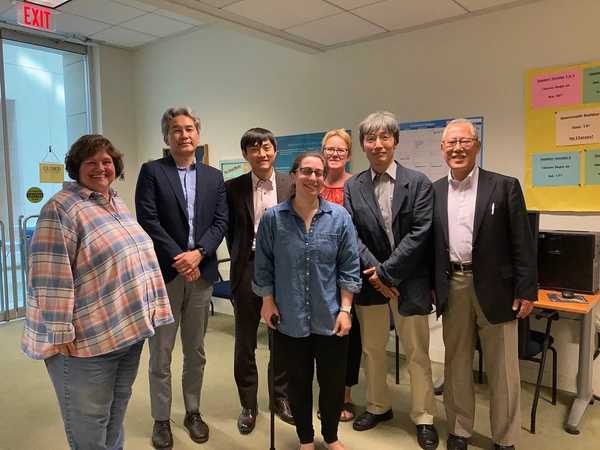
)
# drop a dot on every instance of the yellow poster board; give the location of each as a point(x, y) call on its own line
point(562, 138)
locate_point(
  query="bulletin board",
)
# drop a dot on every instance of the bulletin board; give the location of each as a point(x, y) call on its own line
point(562, 138)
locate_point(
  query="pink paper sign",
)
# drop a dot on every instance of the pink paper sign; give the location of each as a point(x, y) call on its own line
point(556, 89)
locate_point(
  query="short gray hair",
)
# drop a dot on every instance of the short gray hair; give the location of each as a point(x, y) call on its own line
point(379, 120)
point(171, 113)
point(461, 121)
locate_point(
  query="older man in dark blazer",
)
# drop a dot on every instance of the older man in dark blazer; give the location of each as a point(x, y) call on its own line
point(181, 204)
point(391, 207)
point(248, 196)
point(485, 278)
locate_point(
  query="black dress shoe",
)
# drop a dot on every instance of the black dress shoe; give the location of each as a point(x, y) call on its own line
point(368, 420)
point(283, 411)
point(503, 447)
point(162, 437)
point(427, 437)
point(246, 420)
point(457, 442)
point(197, 428)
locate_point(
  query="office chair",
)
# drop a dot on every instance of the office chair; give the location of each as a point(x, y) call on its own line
point(222, 288)
point(534, 346)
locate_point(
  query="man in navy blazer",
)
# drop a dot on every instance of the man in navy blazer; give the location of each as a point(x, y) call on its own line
point(181, 203)
point(391, 207)
point(485, 279)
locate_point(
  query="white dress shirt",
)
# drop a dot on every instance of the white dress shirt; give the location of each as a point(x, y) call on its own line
point(461, 215)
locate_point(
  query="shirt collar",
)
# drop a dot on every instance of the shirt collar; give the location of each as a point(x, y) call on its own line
point(468, 181)
point(192, 166)
point(391, 171)
point(256, 180)
point(324, 206)
point(84, 192)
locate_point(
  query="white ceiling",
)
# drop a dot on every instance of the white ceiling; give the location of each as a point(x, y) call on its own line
point(318, 24)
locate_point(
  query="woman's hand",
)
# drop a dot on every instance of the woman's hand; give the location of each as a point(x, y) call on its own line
point(343, 323)
point(268, 310)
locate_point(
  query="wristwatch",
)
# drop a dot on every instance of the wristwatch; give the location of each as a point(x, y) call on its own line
point(346, 309)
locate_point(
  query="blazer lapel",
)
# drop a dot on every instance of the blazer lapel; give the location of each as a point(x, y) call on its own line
point(485, 188)
point(442, 204)
point(248, 197)
point(400, 192)
point(170, 170)
point(368, 193)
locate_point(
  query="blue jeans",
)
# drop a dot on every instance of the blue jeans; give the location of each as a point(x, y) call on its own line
point(93, 394)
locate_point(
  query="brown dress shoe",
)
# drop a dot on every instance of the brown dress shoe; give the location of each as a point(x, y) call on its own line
point(162, 438)
point(197, 428)
point(246, 420)
point(283, 411)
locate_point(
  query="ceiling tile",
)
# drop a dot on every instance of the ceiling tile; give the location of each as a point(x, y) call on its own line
point(137, 4)
point(336, 29)
point(395, 15)
point(282, 14)
point(179, 17)
point(474, 5)
point(105, 11)
point(123, 37)
point(351, 4)
point(156, 25)
point(68, 23)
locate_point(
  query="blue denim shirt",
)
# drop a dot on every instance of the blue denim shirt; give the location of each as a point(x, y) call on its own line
point(304, 271)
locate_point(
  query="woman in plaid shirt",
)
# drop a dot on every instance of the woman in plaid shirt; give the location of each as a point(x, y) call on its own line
point(95, 292)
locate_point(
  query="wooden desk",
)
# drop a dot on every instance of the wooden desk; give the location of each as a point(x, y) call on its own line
point(586, 351)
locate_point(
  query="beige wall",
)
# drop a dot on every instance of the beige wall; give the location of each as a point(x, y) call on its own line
point(470, 67)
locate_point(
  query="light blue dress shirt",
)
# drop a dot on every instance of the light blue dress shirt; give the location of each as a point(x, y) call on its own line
point(305, 270)
point(187, 176)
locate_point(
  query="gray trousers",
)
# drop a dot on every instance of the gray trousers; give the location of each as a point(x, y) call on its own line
point(462, 320)
point(190, 303)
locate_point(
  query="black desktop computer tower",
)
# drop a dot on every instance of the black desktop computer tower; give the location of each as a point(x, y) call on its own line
point(569, 260)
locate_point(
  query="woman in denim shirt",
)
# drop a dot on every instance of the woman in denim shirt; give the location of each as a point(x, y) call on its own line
point(306, 271)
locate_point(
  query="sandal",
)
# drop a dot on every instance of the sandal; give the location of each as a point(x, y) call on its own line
point(346, 407)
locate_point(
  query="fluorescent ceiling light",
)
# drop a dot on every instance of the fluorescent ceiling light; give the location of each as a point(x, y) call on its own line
point(48, 3)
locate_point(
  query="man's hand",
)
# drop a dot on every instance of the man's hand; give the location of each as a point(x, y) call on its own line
point(391, 293)
point(191, 276)
point(523, 306)
point(66, 349)
point(343, 323)
point(186, 262)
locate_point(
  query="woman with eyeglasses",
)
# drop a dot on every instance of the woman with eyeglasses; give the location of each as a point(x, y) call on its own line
point(306, 270)
point(337, 150)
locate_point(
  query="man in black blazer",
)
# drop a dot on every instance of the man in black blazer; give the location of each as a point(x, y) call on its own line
point(485, 278)
point(248, 196)
point(391, 207)
point(181, 203)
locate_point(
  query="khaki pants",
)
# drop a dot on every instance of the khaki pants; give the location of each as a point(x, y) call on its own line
point(462, 319)
point(413, 332)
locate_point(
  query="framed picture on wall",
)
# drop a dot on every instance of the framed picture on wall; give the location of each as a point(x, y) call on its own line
point(201, 153)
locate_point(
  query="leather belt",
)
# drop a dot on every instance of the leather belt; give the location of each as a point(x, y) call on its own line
point(461, 267)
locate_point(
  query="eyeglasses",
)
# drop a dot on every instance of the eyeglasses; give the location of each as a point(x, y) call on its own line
point(330, 151)
point(308, 171)
point(462, 142)
point(267, 146)
point(384, 137)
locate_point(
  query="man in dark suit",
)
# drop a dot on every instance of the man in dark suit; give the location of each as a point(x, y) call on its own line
point(248, 196)
point(391, 207)
point(181, 203)
point(485, 278)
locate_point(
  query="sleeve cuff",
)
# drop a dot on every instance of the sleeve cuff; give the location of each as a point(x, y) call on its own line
point(61, 334)
point(262, 291)
point(350, 286)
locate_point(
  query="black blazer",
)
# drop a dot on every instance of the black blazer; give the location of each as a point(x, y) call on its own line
point(504, 263)
point(240, 232)
point(161, 210)
point(407, 265)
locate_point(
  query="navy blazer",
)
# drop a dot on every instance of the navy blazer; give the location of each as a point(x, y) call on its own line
point(162, 211)
point(407, 265)
point(504, 262)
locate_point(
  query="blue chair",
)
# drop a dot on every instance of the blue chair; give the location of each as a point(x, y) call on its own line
point(222, 288)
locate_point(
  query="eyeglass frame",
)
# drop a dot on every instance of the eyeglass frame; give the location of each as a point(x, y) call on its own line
point(319, 173)
point(330, 151)
point(463, 142)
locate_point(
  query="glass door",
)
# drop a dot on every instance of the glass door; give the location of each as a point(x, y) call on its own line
point(45, 108)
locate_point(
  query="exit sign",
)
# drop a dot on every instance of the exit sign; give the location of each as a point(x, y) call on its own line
point(36, 17)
